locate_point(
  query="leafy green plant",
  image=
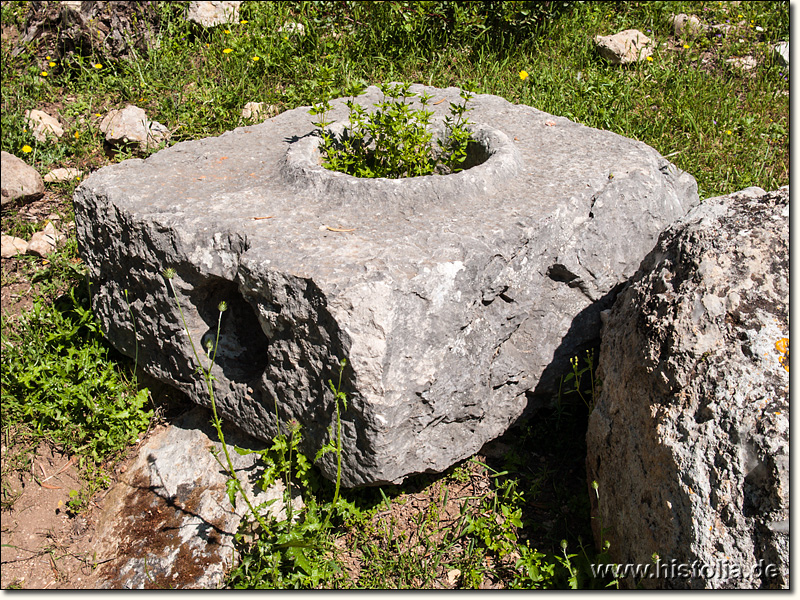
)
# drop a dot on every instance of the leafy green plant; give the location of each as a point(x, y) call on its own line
point(61, 382)
point(587, 392)
point(395, 140)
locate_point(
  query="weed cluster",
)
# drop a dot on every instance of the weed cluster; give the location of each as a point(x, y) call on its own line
point(395, 140)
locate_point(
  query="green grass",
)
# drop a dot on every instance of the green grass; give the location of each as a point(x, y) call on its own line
point(61, 382)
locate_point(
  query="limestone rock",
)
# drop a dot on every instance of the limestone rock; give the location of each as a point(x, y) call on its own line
point(625, 47)
point(11, 246)
point(689, 441)
point(171, 508)
point(258, 110)
point(43, 125)
point(782, 52)
point(687, 26)
point(45, 242)
point(62, 175)
point(20, 181)
point(457, 300)
point(209, 14)
point(130, 126)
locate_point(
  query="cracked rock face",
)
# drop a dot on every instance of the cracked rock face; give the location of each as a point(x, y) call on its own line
point(454, 298)
point(689, 441)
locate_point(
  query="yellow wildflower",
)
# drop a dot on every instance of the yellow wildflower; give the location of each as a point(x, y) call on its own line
point(729, 132)
point(523, 75)
point(227, 51)
point(48, 58)
point(77, 135)
point(650, 59)
point(227, 31)
point(43, 73)
point(97, 66)
point(51, 63)
point(243, 22)
point(686, 46)
point(27, 149)
point(256, 58)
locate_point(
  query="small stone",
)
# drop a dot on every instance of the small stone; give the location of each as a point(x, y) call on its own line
point(625, 47)
point(61, 175)
point(20, 181)
point(43, 125)
point(209, 14)
point(782, 52)
point(686, 26)
point(745, 63)
point(256, 110)
point(11, 246)
point(291, 28)
point(44, 242)
point(130, 126)
point(452, 577)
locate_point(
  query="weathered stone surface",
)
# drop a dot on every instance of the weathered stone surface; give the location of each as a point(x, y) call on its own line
point(130, 126)
point(209, 14)
point(687, 26)
point(11, 246)
point(43, 125)
point(453, 298)
point(625, 47)
point(689, 441)
point(171, 509)
point(19, 181)
point(61, 175)
point(100, 29)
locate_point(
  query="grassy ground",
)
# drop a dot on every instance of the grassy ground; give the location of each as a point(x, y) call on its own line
point(727, 126)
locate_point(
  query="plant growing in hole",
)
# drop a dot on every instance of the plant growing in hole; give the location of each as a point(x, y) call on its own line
point(395, 140)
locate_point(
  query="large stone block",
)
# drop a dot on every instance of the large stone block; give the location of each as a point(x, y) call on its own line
point(689, 441)
point(452, 297)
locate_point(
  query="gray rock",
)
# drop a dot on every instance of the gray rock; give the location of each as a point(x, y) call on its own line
point(19, 181)
point(62, 175)
point(170, 509)
point(689, 441)
point(625, 47)
point(97, 29)
point(43, 125)
point(687, 26)
point(782, 52)
point(131, 127)
point(11, 246)
point(209, 14)
point(453, 298)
